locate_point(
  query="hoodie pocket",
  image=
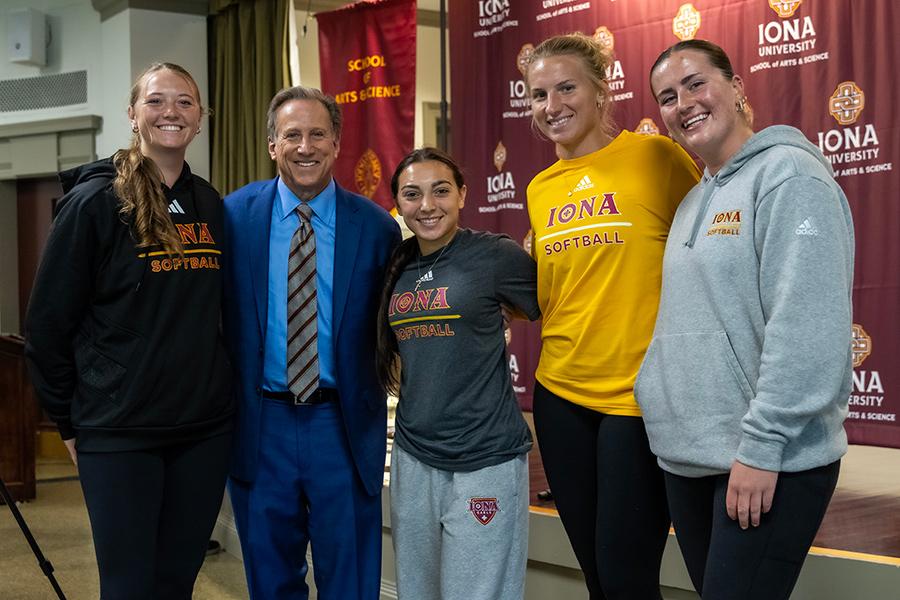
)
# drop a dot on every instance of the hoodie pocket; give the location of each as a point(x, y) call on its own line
point(103, 353)
point(693, 394)
point(100, 372)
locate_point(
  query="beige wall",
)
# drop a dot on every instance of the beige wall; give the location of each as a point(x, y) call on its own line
point(74, 46)
point(113, 52)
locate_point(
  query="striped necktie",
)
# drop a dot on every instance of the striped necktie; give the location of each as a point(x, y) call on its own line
point(302, 349)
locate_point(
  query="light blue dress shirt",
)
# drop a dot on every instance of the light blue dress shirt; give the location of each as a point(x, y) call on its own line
point(285, 221)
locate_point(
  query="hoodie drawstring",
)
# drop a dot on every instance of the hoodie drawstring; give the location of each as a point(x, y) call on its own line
point(704, 206)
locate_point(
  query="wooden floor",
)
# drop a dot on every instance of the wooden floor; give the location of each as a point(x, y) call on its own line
point(864, 515)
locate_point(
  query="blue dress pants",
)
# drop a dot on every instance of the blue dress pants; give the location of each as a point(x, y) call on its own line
point(307, 492)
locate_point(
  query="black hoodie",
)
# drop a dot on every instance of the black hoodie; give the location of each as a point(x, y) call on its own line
point(123, 343)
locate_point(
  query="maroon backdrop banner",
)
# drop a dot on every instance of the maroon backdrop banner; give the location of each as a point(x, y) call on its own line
point(367, 57)
point(826, 67)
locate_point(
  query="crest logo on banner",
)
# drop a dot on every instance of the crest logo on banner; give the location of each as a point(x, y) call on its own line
point(605, 38)
point(519, 102)
point(367, 173)
point(524, 57)
point(499, 156)
point(647, 127)
point(866, 400)
point(501, 188)
point(686, 22)
point(860, 346)
point(853, 147)
point(846, 103)
point(483, 509)
point(785, 8)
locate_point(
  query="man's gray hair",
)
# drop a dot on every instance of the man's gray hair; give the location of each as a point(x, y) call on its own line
point(298, 92)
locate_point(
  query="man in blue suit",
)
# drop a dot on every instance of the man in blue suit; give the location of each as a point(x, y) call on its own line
point(308, 466)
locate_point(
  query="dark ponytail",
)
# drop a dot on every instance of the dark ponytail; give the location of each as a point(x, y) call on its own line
point(387, 351)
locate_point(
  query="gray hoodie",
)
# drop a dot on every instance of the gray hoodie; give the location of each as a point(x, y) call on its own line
point(750, 359)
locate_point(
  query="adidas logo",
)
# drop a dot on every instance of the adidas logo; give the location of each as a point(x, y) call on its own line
point(175, 208)
point(584, 184)
point(806, 228)
point(426, 277)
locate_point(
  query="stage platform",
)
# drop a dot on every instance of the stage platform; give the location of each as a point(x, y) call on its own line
point(863, 518)
point(855, 556)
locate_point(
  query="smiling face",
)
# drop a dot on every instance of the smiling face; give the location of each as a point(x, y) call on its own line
point(429, 202)
point(698, 104)
point(305, 147)
point(567, 107)
point(166, 113)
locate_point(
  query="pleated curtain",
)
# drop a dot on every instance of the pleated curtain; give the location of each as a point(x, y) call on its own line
point(250, 64)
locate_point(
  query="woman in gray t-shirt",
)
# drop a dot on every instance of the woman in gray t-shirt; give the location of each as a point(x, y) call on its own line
point(459, 471)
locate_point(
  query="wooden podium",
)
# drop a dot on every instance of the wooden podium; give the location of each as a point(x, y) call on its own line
point(18, 420)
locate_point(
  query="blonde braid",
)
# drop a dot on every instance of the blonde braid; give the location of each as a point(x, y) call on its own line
point(138, 185)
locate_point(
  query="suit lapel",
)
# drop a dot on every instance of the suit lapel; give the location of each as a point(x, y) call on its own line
point(259, 223)
point(347, 231)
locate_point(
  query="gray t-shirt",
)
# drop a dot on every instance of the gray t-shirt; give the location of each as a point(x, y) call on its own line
point(457, 409)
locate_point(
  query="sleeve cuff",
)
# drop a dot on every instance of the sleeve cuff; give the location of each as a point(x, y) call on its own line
point(759, 453)
point(66, 431)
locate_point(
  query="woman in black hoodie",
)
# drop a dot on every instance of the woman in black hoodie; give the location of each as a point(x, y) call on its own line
point(124, 350)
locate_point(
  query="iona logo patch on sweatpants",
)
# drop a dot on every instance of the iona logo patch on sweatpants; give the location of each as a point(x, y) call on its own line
point(483, 509)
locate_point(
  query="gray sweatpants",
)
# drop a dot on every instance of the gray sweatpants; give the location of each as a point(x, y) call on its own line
point(459, 535)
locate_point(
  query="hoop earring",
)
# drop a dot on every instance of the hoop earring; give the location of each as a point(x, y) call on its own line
point(742, 104)
point(134, 128)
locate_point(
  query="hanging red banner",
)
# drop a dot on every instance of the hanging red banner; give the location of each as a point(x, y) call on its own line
point(367, 57)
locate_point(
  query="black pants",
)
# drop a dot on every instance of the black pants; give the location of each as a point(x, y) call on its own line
point(610, 495)
point(726, 562)
point(152, 512)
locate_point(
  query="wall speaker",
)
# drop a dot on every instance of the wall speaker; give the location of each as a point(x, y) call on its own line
point(27, 37)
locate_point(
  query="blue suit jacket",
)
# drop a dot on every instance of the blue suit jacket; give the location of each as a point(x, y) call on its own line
point(365, 236)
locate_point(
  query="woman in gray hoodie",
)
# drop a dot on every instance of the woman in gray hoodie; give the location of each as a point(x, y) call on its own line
point(744, 387)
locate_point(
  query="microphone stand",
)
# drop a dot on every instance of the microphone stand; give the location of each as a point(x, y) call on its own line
point(45, 565)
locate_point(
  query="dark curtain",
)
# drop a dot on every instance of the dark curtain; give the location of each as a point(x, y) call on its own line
point(251, 63)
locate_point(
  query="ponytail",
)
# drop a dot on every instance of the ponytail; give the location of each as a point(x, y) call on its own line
point(387, 352)
point(138, 185)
